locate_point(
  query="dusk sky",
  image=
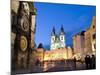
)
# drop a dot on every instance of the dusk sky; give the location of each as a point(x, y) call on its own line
point(74, 18)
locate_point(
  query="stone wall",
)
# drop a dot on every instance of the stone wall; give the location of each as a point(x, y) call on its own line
point(90, 38)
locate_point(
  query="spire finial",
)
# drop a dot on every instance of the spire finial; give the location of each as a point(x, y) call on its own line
point(62, 29)
point(53, 29)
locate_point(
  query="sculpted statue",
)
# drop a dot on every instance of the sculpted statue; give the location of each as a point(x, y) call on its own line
point(23, 18)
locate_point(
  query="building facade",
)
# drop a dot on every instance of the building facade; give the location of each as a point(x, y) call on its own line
point(58, 54)
point(22, 34)
point(84, 43)
point(79, 44)
point(57, 42)
point(90, 38)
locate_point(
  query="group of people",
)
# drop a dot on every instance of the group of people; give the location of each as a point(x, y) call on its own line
point(90, 62)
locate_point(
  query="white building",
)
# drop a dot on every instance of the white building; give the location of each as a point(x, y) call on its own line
point(57, 42)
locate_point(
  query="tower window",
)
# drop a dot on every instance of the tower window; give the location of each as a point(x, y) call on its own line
point(61, 38)
point(95, 46)
point(53, 39)
point(94, 36)
point(93, 26)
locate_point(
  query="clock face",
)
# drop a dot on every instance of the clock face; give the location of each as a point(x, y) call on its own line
point(23, 43)
point(24, 24)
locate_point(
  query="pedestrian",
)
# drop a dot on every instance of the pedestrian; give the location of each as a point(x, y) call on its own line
point(93, 62)
point(87, 61)
point(74, 62)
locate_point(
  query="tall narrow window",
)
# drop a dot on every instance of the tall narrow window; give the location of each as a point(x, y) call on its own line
point(94, 36)
point(61, 38)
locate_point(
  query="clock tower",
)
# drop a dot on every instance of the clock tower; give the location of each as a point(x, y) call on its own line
point(25, 29)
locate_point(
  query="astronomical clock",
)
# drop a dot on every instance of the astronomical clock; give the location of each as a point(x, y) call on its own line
point(23, 36)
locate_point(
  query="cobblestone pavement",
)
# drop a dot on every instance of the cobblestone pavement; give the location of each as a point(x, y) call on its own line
point(51, 67)
point(70, 66)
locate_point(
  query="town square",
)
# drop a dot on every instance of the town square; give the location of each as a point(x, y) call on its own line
point(50, 37)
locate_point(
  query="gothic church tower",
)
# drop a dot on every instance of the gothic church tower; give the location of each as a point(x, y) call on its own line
point(53, 38)
point(62, 37)
point(57, 42)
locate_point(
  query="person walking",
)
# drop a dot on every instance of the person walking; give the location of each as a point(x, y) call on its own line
point(74, 62)
point(87, 61)
point(93, 62)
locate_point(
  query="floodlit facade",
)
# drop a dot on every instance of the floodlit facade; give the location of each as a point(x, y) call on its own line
point(79, 44)
point(57, 42)
point(90, 38)
point(84, 43)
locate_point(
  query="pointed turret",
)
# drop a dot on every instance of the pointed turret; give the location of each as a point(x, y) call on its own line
point(62, 30)
point(62, 37)
point(53, 31)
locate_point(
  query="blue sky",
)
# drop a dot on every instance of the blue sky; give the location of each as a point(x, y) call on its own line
point(74, 19)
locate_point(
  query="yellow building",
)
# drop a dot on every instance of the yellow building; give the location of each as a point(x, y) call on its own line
point(54, 55)
point(40, 54)
point(57, 54)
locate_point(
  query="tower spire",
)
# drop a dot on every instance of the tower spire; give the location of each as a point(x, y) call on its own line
point(53, 30)
point(62, 29)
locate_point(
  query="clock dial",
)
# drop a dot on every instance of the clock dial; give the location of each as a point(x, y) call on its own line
point(23, 43)
point(24, 23)
point(25, 26)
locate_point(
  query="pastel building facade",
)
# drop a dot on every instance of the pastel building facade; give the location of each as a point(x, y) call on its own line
point(84, 43)
point(90, 38)
point(79, 44)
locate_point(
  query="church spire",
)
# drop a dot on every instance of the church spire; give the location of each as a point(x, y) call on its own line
point(62, 29)
point(53, 31)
